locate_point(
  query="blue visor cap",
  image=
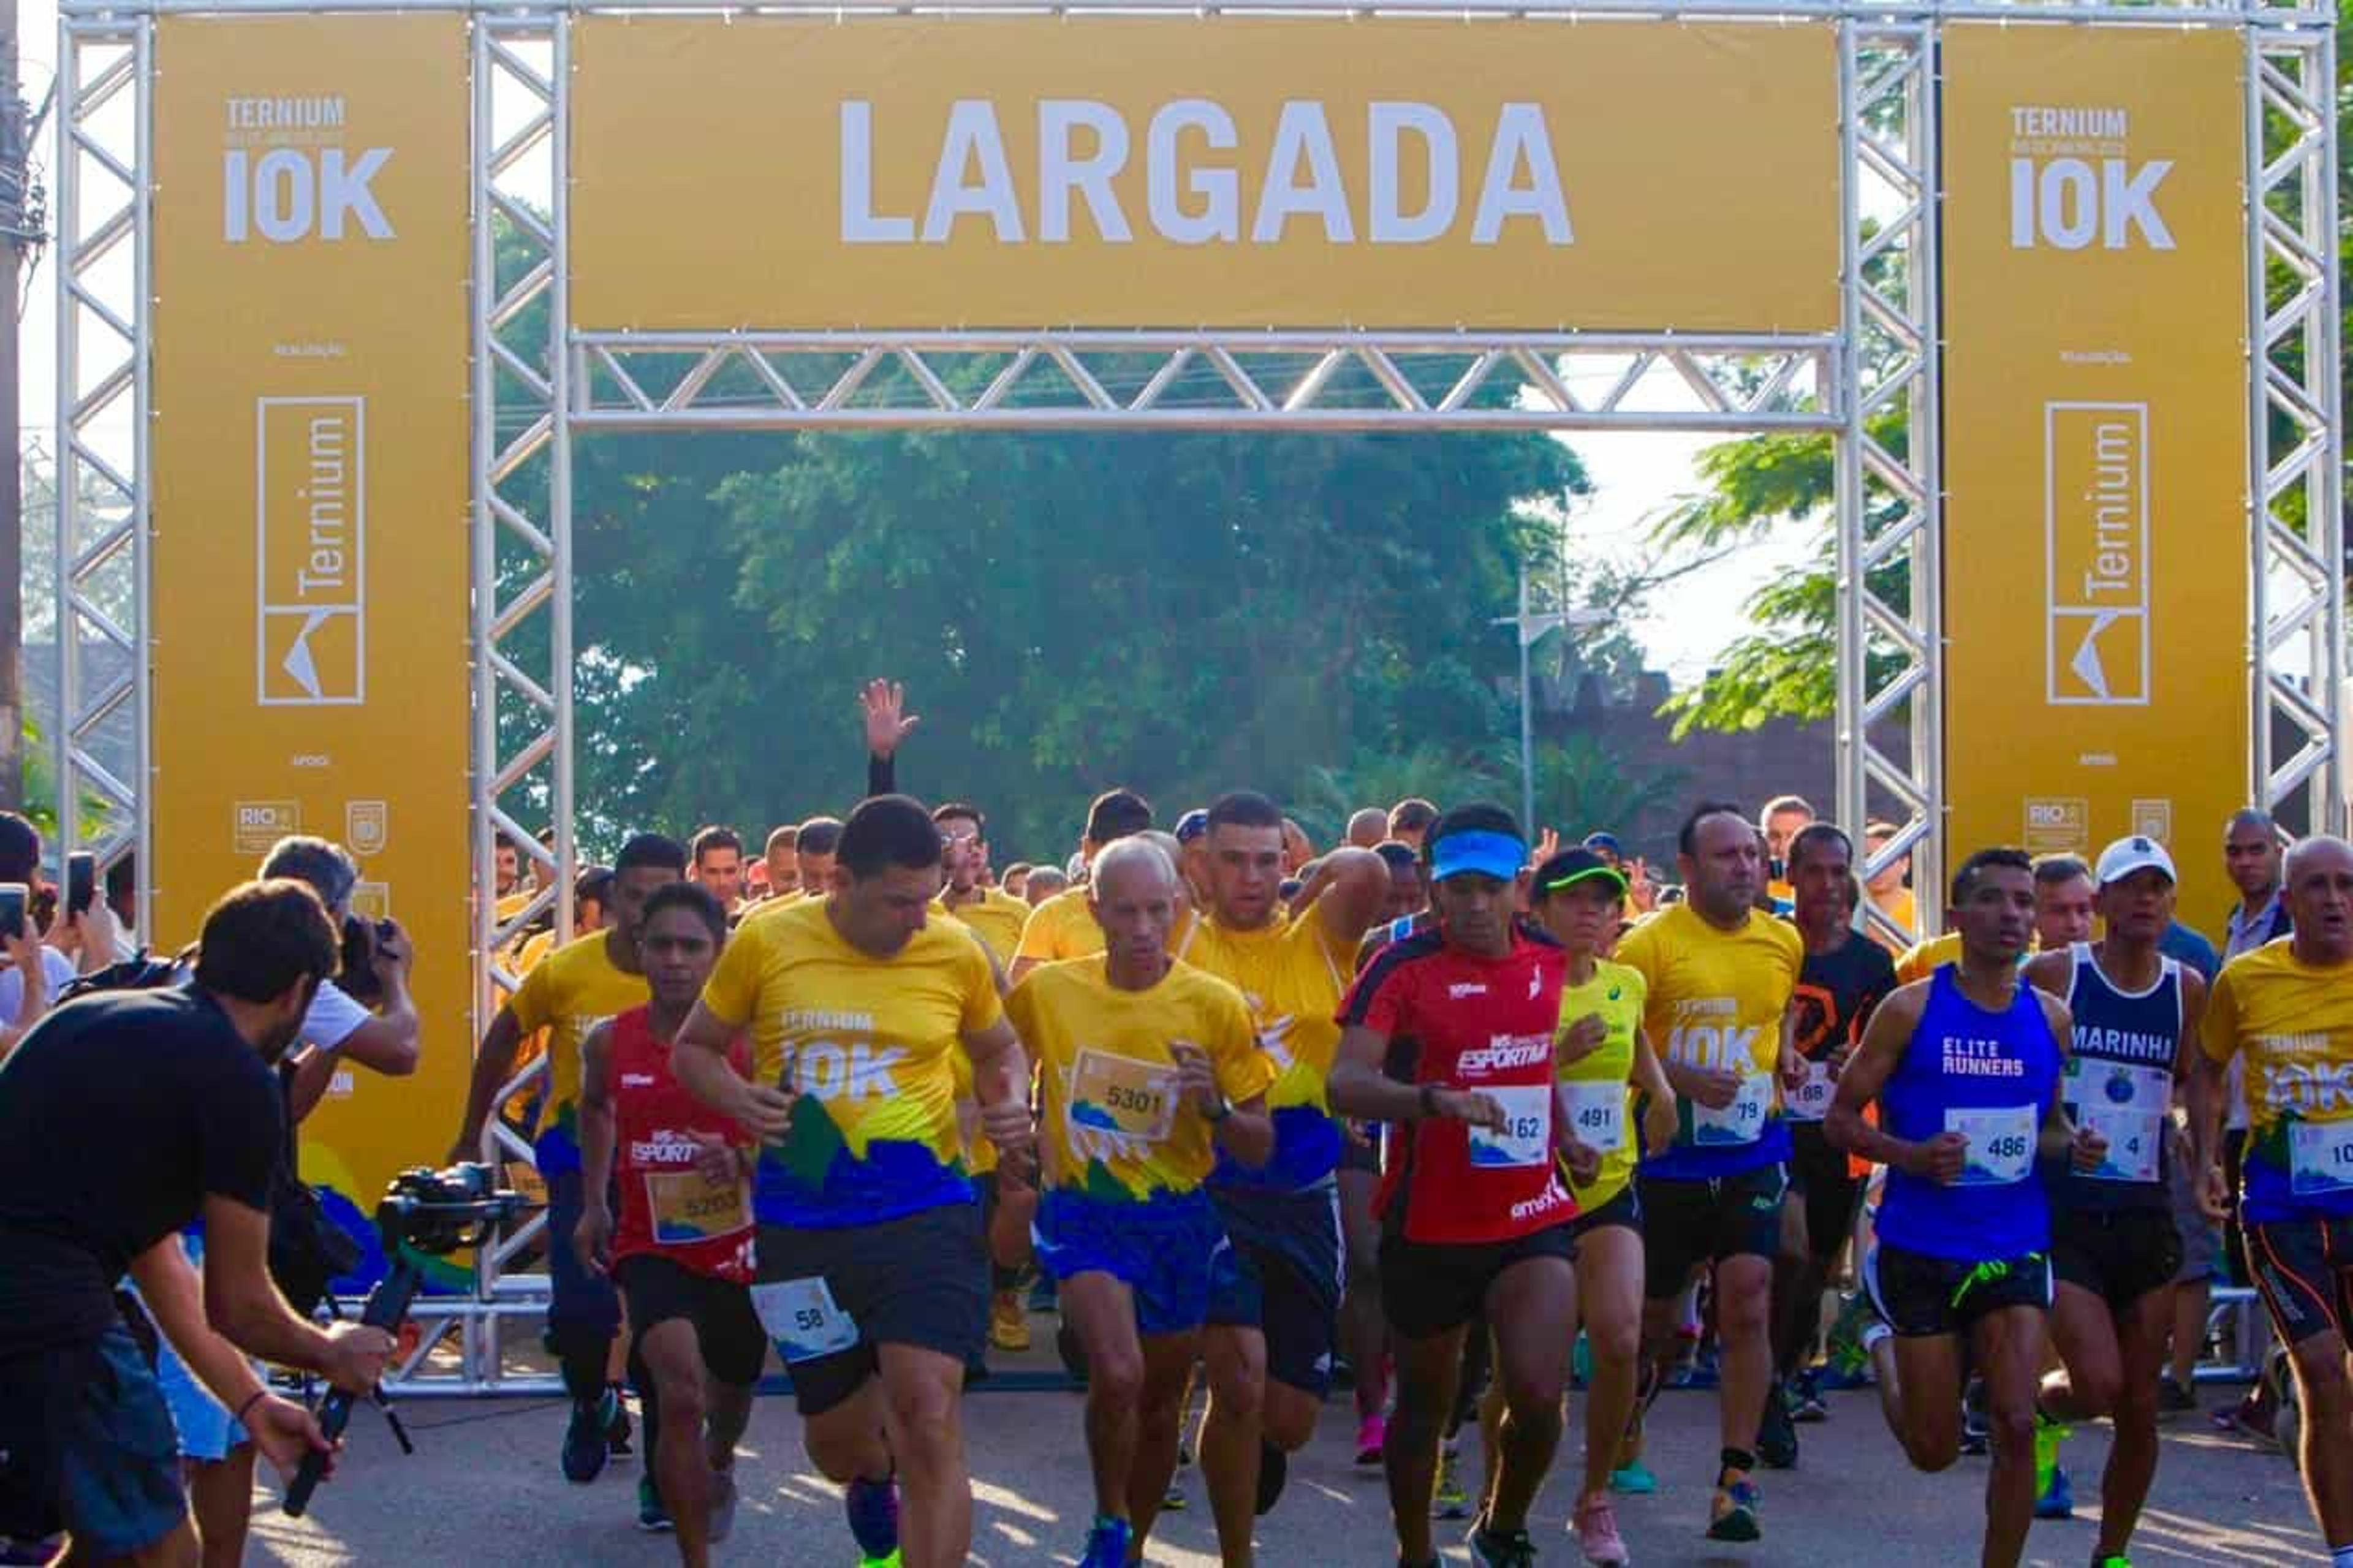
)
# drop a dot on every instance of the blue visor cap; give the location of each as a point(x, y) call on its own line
point(1497, 855)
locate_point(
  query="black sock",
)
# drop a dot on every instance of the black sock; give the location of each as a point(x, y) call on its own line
point(1739, 1459)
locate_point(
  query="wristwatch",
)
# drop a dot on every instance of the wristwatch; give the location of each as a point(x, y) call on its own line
point(1428, 1099)
point(1224, 1108)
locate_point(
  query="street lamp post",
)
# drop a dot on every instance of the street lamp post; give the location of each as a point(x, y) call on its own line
point(1531, 629)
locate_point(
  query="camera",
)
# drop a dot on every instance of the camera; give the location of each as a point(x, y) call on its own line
point(361, 939)
point(425, 1213)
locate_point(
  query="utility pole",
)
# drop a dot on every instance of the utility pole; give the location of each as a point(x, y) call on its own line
point(1530, 629)
point(16, 221)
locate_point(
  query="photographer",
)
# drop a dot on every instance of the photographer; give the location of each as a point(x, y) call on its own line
point(174, 1085)
point(366, 1016)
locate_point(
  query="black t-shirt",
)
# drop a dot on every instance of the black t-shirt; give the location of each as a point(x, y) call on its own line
point(120, 1113)
point(1836, 992)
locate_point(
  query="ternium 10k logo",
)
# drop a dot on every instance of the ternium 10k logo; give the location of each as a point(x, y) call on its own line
point(2073, 187)
point(289, 173)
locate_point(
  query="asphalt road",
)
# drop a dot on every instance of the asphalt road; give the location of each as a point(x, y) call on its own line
point(483, 1488)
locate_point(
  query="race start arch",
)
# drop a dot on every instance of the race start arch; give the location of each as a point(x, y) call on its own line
point(339, 288)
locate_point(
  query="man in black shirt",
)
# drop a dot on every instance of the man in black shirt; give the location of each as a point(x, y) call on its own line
point(124, 1118)
point(1846, 975)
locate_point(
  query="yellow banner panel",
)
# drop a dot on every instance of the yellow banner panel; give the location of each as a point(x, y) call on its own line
point(1157, 172)
point(310, 564)
point(2096, 543)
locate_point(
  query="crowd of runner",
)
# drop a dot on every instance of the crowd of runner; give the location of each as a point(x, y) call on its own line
point(1444, 1105)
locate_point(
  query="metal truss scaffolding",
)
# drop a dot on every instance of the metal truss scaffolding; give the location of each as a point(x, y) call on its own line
point(2295, 430)
point(1889, 489)
point(1871, 388)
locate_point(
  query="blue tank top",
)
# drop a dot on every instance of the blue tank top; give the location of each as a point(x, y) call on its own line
point(1989, 1077)
point(2119, 1080)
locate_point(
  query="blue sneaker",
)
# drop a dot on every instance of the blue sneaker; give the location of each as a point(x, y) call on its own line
point(873, 1511)
point(652, 1517)
point(584, 1438)
point(1633, 1480)
point(2058, 1498)
point(1106, 1544)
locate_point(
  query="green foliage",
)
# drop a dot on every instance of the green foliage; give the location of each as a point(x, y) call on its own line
point(1180, 614)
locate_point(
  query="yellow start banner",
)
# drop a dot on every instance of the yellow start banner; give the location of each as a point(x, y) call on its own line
point(310, 542)
point(950, 172)
point(2095, 545)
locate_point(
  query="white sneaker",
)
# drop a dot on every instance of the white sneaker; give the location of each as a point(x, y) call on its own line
point(723, 1506)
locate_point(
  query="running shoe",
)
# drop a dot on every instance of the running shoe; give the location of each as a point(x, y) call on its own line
point(1847, 1357)
point(1106, 1544)
point(1777, 1435)
point(618, 1435)
point(1042, 1294)
point(1372, 1437)
point(652, 1518)
point(1707, 1368)
point(2172, 1399)
point(2053, 1496)
point(1008, 1324)
point(1175, 1502)
point(1732, 1515)
point(1501, 1549)
point(1273, 1470)
point(585, 1445)
point(1977, 1433)
point(1633, 1478)
point(723, 1506)
point(1452, 1501)
point(873, 1511)
point(2118, 1561)
point(1594, 1524)
point(1806, 1405)
point(18, 1552)
point(2251, 1417)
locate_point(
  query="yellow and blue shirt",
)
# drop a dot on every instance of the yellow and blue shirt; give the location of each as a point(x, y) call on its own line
point(2293, 1023)
point(1601, 1098)
point(868, 1044)
point(567, 993)
point(1292, 980)
point(1114, 1131)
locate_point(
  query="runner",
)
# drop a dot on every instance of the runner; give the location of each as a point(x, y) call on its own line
point(814, 848)
point(996, 917)
point(1608, 1071)
point(2287, 1008)
point(682, 1253)
point(579, 986)
point(2251, 846)
point(1845, 976)
point(715, 860)
point(1966, 1067)
point(782, 857)
point(1783, 816)
point(1279, 1310)
point(1410, 820)
point(1474, 1216)
point(2115, 1246)
point(1061, 927)
point(871, 1260)
point(1151, 1071)
point(1720, 977)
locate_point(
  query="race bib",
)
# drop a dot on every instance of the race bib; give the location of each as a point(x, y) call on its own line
point(689, 1207)
point(2001, 1144)
point(801, 1317)
point(1597, 1114)
point(1119, 1094)
point(2127, 1105)
point(1742, 1122)
point(1811, 1100)
point(1525, 1137)
point(2320, 1157)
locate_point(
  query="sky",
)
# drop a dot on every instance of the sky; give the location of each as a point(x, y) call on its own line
point(1636, 474)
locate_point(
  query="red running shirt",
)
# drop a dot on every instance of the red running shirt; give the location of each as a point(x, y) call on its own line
point(1468, 1023)
point(666, 1206)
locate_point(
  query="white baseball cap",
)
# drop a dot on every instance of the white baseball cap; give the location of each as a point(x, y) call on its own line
point(2125, 856)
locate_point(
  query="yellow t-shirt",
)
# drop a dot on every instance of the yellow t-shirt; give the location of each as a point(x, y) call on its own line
point(2293, 1022)
point(1114, 1130)
point(1000, 919)
point(1603, 1114)
point(870, 1044)
point(1923, 959)
point(1715, 1000)
point(567, 993)
point(1062, 927)
point(1293, 981)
